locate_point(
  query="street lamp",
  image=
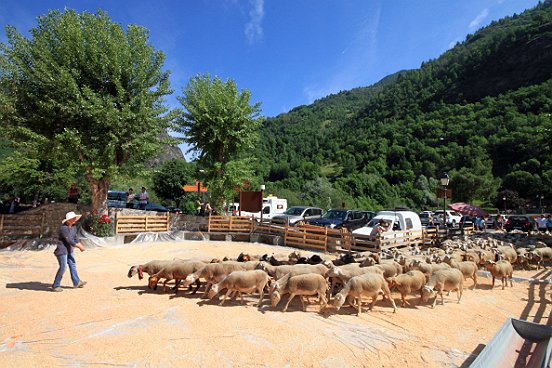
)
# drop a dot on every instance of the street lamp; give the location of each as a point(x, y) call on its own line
point(504, 203)
point(540, 197)
point(445, 182)
point(263, 187)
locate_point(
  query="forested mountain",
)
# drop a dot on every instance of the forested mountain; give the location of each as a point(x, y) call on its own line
point(481, 112)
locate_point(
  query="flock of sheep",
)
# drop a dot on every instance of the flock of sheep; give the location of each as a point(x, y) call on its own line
point(350, 277)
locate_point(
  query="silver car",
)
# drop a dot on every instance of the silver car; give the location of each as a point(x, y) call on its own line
point(297, 213)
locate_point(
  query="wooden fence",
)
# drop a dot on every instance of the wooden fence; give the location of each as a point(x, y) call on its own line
point(327, 239)
point(22, 226)
point(140, 224)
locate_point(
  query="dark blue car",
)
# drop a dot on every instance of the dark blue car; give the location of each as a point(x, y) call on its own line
point(337, 219)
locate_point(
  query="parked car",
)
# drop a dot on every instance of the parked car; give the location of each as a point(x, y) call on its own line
point(369, 215)
point(298, 213)
point(453, 218)
point(519, 222)
point(117, 199)
point(467, 221)
point(424, 218)
point(334, 218)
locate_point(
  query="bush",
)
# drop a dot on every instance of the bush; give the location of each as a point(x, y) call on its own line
point(100, 225)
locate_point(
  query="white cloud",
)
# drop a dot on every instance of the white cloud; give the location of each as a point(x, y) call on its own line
point(254, 28)
point(480, 18)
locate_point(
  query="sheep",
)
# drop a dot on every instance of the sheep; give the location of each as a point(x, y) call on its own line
point(345, 273)
point(468, 268)
point(213, 273)
point(370, 284)
point(150, 268)
point(443, 280)
point(302, 285)
point(428, 269)
point(408, 282)
point(276, 272)
point(500, 269)
point(522, 258)
point(241, 282)
point(539, 255)
point(508, 253)
point(178, 271)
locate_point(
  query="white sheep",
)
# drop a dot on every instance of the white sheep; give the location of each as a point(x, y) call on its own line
point(370, 284)
point(213, 273)
point(302, 285)
point(468, 268)
point(408, 282)
point(241, 282)
point(443, 280)
point(502, 269)
point(177, 270)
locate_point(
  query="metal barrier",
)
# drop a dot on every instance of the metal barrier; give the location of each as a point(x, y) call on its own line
point(140, 224)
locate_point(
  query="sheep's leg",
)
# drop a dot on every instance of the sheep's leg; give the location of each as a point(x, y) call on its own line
point(359, 304)
point(459, 293)
point(198, 284)
point(165, 285)
point(322, 299)
point(504, 281)
point(241, 296)
point(403, 298)
point(207, 288)
point(291, 296)
point(261, 295)
point(302, 298)
point(474, 277)
point(392, 302)
point(511, 284)
point(228, 292)
point(492, 286)
point(176, 285)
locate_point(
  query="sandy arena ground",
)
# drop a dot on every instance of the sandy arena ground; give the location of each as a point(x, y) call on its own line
point(117, 321)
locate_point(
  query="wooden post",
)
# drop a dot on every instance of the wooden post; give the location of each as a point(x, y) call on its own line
point(146, 223)
point(2, 225)
point(168, 218)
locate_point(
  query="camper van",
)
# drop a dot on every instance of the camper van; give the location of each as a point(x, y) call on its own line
point(272, 206)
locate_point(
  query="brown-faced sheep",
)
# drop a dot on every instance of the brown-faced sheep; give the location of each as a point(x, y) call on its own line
point(539, 255)
point(150, 268)
point(213, 273)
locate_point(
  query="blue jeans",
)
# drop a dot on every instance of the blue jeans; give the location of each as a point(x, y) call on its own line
point(64, 260)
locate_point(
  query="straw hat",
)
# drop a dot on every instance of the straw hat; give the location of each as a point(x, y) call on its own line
point(71, 215)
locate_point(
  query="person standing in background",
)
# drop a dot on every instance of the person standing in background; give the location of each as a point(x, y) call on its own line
point(130, 198)
point(73, 194)
point(143, 199)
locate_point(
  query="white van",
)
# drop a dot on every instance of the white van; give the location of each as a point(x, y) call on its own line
point(400, 220)
point(272, 206)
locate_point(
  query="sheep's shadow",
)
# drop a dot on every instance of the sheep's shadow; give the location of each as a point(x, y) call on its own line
point(30, 285)
point(140, 288)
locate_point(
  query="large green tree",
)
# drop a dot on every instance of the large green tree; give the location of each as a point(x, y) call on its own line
point(221, 125)
point(90, 92)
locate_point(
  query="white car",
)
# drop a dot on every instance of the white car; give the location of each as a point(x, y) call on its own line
point(453, 217)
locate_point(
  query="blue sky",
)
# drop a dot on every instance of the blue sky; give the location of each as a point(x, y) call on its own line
point(288, 52)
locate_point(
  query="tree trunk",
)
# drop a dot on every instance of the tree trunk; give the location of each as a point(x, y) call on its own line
point(98, 189)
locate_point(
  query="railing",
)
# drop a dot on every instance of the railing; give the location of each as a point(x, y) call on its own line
point(141, 224)
point(230, 224)
point(327, 239)
point(21, 225)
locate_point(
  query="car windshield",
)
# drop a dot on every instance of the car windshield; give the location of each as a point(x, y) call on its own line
point(335, 215)
point(424, 215)
point(296, 211)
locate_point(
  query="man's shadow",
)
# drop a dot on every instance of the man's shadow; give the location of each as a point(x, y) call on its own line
point(30, 285)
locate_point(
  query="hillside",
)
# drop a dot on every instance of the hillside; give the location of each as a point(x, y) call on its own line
point(478, 112)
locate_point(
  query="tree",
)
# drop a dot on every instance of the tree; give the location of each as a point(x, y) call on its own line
point(221, 127)
point(90, 92)
point(169, 179)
